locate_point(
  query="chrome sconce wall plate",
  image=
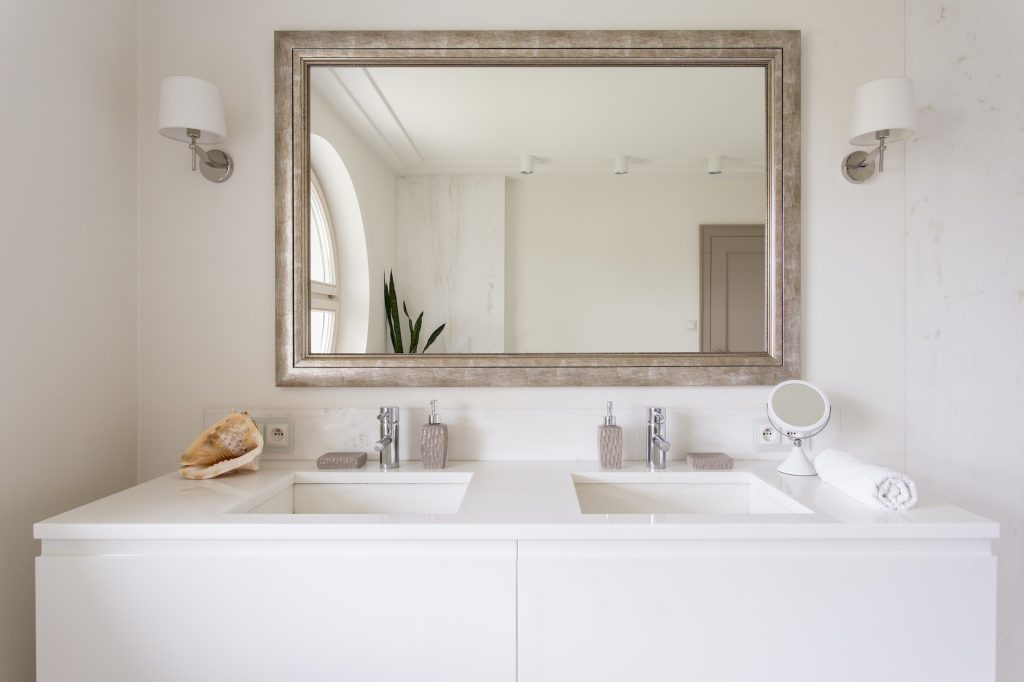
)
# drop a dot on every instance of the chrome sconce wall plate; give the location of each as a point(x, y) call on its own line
point(192, 110)
point(883, 112)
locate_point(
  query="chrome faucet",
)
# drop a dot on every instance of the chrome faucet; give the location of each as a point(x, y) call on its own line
point(657, 445)
point(387, 446)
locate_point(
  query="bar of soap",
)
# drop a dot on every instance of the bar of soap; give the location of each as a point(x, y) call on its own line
point(341, 460)
point(714, 461)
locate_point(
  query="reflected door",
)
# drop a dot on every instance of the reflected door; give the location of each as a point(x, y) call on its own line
point(733, 288)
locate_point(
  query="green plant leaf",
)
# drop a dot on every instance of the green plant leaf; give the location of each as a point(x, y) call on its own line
point(393, 308)
point(414, 330)
point(387, 314)
point(412, 334)
point(433, 337)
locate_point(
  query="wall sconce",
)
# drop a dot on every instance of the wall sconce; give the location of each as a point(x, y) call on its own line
point(526, 164)
point(883, 111)
point(715, 164)
point(621, 165)
point(191, 110)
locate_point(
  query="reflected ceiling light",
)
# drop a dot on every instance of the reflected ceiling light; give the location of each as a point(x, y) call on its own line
point(883, 111)
point(621, 164)
point(715, 164)
point(526, 164)
point(191, 110)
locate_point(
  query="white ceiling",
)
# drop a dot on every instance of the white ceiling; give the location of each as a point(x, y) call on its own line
point(451, 120)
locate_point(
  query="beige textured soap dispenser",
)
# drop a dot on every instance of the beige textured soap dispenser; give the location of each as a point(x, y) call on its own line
point(609, 441)
point(434, 444)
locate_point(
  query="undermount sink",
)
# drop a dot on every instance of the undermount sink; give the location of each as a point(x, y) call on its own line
point(680, 493)
point(392, 492)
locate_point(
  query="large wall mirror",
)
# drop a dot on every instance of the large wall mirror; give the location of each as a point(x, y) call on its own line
point(537, 208)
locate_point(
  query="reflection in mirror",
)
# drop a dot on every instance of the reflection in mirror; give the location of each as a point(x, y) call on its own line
point(323, 273)
point(798, 405)
point(417, 170)
point(339, 285)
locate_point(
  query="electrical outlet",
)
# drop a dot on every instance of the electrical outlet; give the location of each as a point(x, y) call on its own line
point(791, 436)
point(767, 438)
point(277, 434)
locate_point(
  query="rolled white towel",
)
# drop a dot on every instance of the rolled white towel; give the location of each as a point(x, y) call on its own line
point(872, 485)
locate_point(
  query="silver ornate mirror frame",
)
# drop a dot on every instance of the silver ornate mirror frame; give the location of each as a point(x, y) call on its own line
point(777, 51)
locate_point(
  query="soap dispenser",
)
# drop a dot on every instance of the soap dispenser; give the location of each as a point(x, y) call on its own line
point(434, 444)
point(609, 442)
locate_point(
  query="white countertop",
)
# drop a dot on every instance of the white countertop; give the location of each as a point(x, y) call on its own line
point(504, 500)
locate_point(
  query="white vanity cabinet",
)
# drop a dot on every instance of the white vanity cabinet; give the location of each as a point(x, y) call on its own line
point(786, 611)
point(224, 581)
point(476, 610)
point(267, 611)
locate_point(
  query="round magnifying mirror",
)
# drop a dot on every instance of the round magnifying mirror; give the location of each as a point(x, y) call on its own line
point(798, 410)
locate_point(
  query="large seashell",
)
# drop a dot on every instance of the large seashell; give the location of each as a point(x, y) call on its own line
point(232, 444)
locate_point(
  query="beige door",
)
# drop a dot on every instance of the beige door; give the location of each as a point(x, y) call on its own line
point(733, 289)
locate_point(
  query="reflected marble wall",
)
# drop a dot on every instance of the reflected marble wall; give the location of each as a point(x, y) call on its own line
point(450, 259)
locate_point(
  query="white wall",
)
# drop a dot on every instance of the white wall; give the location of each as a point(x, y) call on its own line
point(611, 264)
point(67, 279)
point(195, 356)
point(374, 185)
point(965, 276)
point(450, 260)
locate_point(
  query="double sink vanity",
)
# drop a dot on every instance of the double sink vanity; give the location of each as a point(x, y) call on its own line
point(536, 571)
point(511, 570)
point(438, 494)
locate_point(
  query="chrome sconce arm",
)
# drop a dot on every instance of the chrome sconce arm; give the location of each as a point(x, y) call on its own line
point(860, 166)
point(216, 165)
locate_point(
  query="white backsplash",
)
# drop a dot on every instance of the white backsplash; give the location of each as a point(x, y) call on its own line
point(525, 434)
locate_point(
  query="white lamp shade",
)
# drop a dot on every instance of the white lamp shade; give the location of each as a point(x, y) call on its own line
point(187, 102)
point(886, 104)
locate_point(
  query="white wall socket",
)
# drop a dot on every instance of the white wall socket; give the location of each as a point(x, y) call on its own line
point(278, 433)
point(767, 438)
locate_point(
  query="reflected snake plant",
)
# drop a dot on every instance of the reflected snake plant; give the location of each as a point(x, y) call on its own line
point(395, 322)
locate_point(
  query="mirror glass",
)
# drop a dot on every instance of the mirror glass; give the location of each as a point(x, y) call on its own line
point(798, 405)
point(528, 209)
